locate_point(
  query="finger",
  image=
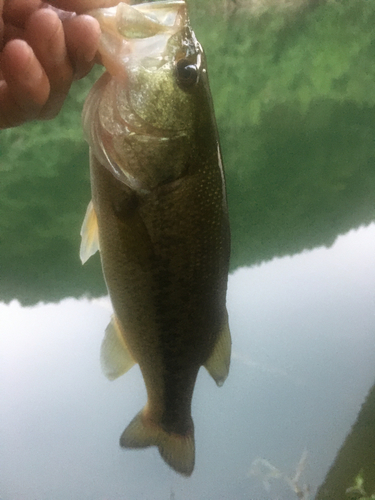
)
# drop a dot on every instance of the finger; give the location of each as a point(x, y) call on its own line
point(1, 24)
point(17, 12)
point(82, 35)
point(25, 88)
point(45, 34)
point(11, 32)
point(82, 6)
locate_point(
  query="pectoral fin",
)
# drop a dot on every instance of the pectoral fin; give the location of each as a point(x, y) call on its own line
point(89, 234)
point(115, 357)
point(218, 363)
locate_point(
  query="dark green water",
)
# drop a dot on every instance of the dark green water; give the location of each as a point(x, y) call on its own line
point(294, 93)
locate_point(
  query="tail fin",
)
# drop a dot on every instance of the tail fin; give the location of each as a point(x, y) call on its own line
point(178, 451)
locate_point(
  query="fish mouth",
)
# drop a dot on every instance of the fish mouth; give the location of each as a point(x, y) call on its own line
point(134, 36)
point(134, 33)
point(142, 20)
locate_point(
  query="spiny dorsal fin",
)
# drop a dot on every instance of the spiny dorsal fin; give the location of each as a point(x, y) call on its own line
point(115, 357)
point(218, 363)
point(89, 234)
point(177, 451)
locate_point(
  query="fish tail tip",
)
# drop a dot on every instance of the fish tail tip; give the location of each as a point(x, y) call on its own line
point(178, 451)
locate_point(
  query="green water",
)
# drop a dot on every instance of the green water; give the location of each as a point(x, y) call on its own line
point(294, 98)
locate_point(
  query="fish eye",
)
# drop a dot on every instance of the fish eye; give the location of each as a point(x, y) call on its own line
point(187, 73)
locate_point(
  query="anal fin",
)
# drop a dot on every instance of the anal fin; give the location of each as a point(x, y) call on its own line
point(115, 357)
point(218, 363)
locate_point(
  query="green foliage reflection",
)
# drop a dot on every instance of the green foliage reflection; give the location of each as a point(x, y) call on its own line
point(294, 96)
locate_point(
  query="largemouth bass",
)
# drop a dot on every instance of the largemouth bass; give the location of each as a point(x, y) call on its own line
point(159, 218)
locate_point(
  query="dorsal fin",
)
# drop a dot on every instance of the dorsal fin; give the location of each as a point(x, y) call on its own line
point(89, 234)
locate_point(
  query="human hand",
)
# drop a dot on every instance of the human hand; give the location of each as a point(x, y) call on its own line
point(42, 50)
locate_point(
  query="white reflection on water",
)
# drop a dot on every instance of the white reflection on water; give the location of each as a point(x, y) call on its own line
point(303, 361)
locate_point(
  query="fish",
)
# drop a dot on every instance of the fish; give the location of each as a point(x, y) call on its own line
point(158, 215)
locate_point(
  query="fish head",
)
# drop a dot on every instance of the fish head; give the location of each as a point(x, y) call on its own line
point(141, 116)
